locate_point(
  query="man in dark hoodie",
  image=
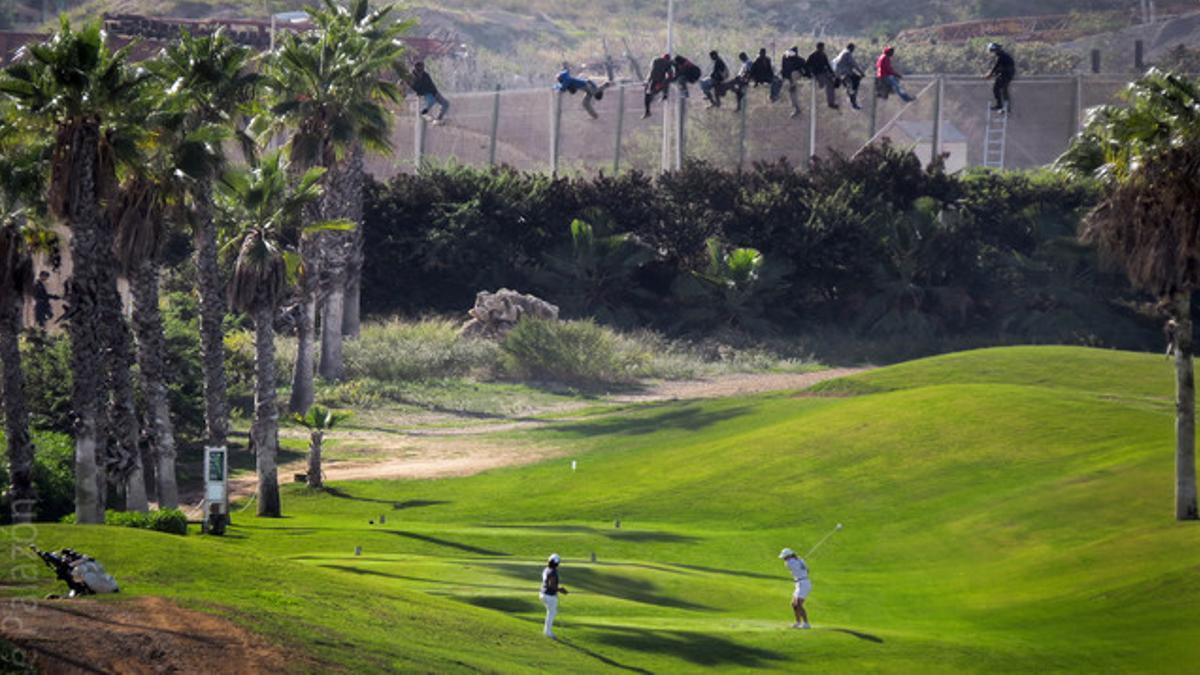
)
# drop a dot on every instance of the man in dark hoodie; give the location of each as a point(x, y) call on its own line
point(686, 73)
point(792, 68)
point(822, 74)
point(423, 86)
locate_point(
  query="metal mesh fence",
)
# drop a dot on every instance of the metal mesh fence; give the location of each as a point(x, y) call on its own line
point(541, 130)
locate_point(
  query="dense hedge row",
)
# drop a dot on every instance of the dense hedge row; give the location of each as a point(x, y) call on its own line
point(873, 245)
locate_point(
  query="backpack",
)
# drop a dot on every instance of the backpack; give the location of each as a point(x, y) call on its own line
point(90, 573)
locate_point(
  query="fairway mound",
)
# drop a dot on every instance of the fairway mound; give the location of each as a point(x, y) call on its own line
point(145, 635)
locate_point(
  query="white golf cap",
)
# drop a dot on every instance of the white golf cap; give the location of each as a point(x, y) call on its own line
point(786, 553)
point(554, 558)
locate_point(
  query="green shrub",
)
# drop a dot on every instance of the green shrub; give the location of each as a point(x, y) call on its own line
point(53, 476)
point(422, 350)
point(572, 352)
point(169, 521)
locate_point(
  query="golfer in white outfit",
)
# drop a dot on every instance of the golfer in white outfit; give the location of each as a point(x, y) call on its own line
point(803, 585)
point(550, 591)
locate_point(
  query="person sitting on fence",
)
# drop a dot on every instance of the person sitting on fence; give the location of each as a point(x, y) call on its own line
point(422, 84)
point(686, 73)
point(1003, 71)
point(739, 83)
point(762, 72)
point(713, 86)
point(822, 74)
point(791, 69)
point(888, 77)
point(846, 69)
point(661, 74)
point(565, 82)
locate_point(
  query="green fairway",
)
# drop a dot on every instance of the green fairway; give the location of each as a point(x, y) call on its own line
point(1004, 510)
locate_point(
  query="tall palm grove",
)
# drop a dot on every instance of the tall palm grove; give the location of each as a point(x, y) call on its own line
point(256, 157)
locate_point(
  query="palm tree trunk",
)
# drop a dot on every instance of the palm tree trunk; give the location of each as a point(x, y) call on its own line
point(303, 390)
point(1185, 413)
point(91, 254)
point(23, 498)
point(212, 314)
point(342, 200)
point(148, 326)
point(352, 315)
point(264, 431)
point(314, 458)
point(123, 412)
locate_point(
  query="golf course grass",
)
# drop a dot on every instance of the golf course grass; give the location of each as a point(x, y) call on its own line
point(1003, 510)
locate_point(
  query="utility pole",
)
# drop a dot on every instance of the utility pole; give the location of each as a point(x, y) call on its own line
point(666, 127)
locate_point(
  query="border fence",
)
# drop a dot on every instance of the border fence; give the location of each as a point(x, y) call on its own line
point(543, 130)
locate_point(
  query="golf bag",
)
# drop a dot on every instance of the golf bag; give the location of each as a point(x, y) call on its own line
point(82, 573)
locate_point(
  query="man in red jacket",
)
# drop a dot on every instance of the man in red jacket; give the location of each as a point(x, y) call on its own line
point(886, 73)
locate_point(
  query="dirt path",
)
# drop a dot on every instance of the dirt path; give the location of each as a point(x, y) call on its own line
point(449, 451)
point(141, 636)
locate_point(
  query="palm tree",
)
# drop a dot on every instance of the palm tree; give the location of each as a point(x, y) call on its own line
point(22, 172)
point(268, 213)
point(330, 88)
point(317, 420)
point(1148, 157)
point(66, 88)
point(211, 80)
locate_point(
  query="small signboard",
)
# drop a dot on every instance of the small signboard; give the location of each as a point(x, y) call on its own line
point(216, 489)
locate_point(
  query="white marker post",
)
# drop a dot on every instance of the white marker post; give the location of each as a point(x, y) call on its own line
point(216, 490)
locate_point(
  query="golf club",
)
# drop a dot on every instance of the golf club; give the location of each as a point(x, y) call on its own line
point(822, 541)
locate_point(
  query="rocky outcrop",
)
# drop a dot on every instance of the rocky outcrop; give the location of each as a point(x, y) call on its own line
point(495, 314)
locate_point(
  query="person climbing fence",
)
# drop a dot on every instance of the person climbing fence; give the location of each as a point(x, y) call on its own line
point(888, 78)
point(569, 84)
point(662, 71)
point(822, 74)
point(1003, 71)
point(792, 68)
point(713, 87)
point(846, 69)
point(686, 73)
point(423, 86)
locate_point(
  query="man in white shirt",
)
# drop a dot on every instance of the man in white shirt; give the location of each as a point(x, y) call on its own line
point(799, 572)
point(550, 591)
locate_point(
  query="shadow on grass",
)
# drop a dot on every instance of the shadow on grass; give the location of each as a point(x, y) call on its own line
point(466, 548)
point(504, 603)
point(602, 583)
point(404, 577)
point(732, 573)
point(397, 506)
point(697, 648)
point(636, 536)
point(689, 418)
point(602, 658)
point(858, 634)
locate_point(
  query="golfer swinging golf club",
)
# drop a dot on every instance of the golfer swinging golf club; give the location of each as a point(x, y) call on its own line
point(799, 572)
point(550, 591)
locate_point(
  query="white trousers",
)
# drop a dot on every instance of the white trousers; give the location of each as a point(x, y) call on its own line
point(551, 603)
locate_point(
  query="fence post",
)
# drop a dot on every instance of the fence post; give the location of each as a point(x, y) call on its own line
point(680, 131)
point(620, 129)
point(419, 140)
point(555, 128)
point(1096, 61)
point(1077, 108)
point(874, 109)
point(742, 133)
point(935, 148)
point(665, 160)
point(812, 122)
point(1139, 55)
point(495, 127)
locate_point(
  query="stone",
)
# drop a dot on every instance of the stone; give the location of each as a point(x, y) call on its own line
point(495, 314)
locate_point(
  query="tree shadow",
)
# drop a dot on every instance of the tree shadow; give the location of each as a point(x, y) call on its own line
point(689, 418)
point(612, 663)
point(466, 548)
point(503, 603)
point(603, 583)
point(397, 506)
point(636, 536)
point(732, 573)
point(858, 634)
point(700, 649)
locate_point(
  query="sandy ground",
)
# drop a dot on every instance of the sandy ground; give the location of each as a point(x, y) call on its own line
point(141, 636)
point(421, 452)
